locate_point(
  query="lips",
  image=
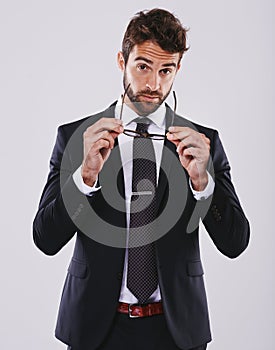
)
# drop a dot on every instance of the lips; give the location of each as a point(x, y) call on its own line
point(149, 98)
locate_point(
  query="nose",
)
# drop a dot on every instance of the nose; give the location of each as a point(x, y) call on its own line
point(153, 82)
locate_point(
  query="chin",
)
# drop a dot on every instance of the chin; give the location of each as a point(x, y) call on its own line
point(147, 108)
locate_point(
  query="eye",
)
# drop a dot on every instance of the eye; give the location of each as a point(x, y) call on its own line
point(142, 67)
point(166, 71)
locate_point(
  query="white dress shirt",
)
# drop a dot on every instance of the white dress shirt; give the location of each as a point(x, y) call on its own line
point(126, 150)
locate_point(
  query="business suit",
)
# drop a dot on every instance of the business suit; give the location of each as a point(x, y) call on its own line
point(93, 282)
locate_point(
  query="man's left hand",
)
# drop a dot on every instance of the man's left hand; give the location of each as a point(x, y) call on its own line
point(194, 151)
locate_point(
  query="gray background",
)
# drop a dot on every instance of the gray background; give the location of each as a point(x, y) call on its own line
point(58, 63)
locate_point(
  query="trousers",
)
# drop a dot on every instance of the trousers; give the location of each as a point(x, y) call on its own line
point(148, 333)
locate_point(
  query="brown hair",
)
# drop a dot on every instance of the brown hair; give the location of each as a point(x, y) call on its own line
point(159, 26)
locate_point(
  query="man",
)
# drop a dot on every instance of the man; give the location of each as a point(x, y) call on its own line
point(133, 183)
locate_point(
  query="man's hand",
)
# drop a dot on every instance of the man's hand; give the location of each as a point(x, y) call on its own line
point(98, 141)
point(194, 151)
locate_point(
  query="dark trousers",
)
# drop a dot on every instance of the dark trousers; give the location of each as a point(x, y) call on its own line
point(148, 333)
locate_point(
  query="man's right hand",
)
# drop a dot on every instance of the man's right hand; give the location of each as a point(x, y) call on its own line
point(98, 141)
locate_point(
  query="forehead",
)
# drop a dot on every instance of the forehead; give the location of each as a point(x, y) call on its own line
point(154, 53)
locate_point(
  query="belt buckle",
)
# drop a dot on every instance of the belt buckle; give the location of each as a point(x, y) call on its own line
point(130, 311)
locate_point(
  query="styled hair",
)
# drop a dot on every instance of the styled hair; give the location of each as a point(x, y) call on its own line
point(158, 26)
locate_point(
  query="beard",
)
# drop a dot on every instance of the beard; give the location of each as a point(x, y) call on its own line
point(144, 108)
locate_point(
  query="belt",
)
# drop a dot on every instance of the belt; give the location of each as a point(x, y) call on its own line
point(135, 310)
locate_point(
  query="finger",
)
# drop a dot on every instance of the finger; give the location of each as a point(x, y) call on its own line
point(194, 139)
point(182, 133)
point(185, 160)
point(177, 135)
point(115, 134)
point(196, 153)
point(190, 151)
point(111, 128)
point(188, 142)
point(105, 135)
point(110, 124)
point(100, 144)
point(109, 121)
point(181, 146)
point(105, 152)
point(171, 138)
point(175, 129)
point(205, 139)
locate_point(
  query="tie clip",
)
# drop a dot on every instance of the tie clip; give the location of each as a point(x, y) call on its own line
point(142, 193)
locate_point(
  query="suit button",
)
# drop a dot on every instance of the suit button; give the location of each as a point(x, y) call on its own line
point(119, 276)
point(214, 209)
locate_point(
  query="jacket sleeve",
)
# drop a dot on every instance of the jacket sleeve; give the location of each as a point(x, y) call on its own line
point(225, 220)
point(53, 226)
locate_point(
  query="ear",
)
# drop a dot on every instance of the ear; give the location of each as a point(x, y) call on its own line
point(120, 61)
point(178, 67)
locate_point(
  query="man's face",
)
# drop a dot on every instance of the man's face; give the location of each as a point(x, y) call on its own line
point(150, 71)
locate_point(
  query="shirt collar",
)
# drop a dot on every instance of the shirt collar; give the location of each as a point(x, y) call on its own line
point(128, 115)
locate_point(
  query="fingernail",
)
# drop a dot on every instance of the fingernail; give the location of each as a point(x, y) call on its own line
point(171, 128)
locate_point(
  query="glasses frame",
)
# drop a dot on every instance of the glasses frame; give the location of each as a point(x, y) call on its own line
point(134, 133)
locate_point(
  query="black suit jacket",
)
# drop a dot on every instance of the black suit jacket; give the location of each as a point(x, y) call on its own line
point(92, 287)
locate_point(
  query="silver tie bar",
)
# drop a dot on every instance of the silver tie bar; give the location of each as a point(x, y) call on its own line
point(142, 193)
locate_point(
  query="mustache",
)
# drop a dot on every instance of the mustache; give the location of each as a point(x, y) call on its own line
point(149, 93)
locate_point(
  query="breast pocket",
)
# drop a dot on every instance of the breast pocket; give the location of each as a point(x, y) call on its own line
point(194, 268)
point(78, 268)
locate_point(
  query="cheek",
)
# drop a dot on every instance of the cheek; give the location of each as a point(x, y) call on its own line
point(137, 82)
point(168, 83)
point(135, 75)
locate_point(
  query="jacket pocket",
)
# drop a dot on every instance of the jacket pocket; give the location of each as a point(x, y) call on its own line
point(78, 268)
point(194, 268)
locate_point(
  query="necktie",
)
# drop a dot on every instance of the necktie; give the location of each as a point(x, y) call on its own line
point(142, 278)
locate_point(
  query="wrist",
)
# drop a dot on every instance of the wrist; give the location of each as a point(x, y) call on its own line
point(200, 183)
point(88, 177)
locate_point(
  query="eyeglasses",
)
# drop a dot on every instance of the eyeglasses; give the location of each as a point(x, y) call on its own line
point(134, 133)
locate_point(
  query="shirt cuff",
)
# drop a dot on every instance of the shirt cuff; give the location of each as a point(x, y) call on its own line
point(85, 189)
point(207, 192)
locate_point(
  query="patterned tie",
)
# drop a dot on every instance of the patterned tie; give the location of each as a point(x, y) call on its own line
point(142, 277)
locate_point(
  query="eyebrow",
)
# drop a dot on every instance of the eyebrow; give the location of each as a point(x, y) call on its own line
point(140, 58)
